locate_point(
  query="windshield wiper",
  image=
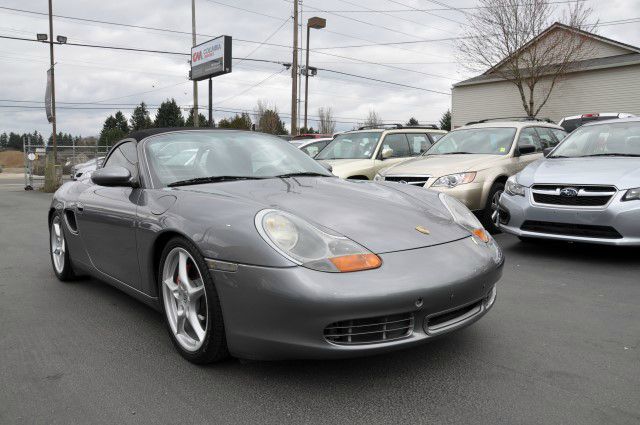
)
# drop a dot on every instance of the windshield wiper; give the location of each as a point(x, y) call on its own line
point(609, 154)
point(212, 179)
point(302, 174)
point(559, 156)
point(455, 153)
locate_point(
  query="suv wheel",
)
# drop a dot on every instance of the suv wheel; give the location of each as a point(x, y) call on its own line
point(489, 216)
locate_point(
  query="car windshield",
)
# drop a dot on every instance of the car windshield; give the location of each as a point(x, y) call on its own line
point(224, 155)
point(351, 146)
point(614, 139)
point(494, 141)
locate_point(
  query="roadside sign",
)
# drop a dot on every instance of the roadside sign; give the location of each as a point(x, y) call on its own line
point(31, 156)
point(211, 58)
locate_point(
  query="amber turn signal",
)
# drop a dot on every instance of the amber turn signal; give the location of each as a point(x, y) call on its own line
point(481, 234)
point(356, 262)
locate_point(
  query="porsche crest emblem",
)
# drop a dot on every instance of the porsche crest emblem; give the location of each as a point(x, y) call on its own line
point(423, 230)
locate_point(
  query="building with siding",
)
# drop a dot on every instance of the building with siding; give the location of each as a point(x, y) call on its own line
point(606, 79)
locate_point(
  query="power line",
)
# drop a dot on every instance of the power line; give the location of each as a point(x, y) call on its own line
point(443, 9)
point(428, 13)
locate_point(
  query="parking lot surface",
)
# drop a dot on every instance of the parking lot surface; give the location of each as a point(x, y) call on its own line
point(562, 345)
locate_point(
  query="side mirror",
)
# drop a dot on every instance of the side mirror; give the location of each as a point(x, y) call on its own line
point(546, 151)
point(112, 176)
point(526, 149)
point(326, 165)
point(387, 153)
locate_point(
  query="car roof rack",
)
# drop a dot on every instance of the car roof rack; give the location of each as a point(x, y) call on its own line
point(511, 119)
point(398, 126)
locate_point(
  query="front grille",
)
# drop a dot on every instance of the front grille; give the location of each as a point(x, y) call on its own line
point(451, 318)
point(587, 196)
point(413, 180)
point(571, 229)
point(371, 330)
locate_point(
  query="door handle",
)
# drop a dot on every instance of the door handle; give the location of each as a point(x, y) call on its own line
point(80, 207)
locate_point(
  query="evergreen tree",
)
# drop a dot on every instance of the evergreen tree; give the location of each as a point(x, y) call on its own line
point(111, 132)
point(121, 122)
point(412, 121)
point(169, 115)
point(445, 121)
point(305, 130)
point(15, 141)
point(4, 139)
point(271, 123)
point(202, 120)
point(239, 121)
point(140, 118)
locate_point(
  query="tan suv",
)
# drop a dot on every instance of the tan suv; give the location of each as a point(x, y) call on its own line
point(472, 163)
point(360, 154)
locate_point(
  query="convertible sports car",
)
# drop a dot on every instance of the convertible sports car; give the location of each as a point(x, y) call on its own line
point(251, 248)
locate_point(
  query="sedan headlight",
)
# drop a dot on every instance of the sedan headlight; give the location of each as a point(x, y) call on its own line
point(632, 195)
point(513, 188)
point(378, 178)
point(310, 247)
point(453, 180)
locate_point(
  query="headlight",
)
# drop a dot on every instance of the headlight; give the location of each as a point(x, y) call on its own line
point(453, 180)
point(513, 188)
point(378, 178)
point(632, 195)
point(465, 218)
point(308, 246)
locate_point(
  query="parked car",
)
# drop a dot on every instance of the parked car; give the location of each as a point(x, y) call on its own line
point(360, 154)
point(473, 163)
point(571, 123)
point(312, 146)
point(587, 189)
point(78, 170)
point(255, 250)
point(307, 136)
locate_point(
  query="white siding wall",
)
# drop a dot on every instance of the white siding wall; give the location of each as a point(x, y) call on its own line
point(603, 90)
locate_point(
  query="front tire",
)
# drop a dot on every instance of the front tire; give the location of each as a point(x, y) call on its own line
point(58, 250)
point(489, 216)
point(190, 303)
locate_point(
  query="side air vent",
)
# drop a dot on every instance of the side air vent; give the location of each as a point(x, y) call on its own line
point(71, 220)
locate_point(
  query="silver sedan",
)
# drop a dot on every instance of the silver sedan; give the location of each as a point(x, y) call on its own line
point(587, 189)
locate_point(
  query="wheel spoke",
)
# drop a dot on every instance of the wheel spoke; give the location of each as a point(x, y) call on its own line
point(195, 292)
point(195, 324)
point(56, 229)
point(180, 321)
point(182, 269)
point(172, 286)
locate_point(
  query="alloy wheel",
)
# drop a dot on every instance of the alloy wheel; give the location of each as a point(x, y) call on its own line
point(58, 244)
point(185, 301)
point(495, 207)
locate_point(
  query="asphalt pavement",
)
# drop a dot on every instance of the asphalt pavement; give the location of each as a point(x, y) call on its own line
point(561, 346)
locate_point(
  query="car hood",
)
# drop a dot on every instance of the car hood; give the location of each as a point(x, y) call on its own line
point(624, 173)
point(346, 167)
point(440, 165)
point(381, 217)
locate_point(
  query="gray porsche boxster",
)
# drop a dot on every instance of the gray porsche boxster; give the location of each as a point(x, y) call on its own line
point(251, 248)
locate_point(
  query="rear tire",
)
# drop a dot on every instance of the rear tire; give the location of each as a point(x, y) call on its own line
point(490, 212)
point(190, 303)
point(59, 250)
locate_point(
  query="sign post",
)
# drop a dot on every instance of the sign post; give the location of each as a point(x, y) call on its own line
point(208, 60)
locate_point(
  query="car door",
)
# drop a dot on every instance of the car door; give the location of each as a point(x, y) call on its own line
point(107, 220)
point(399, 144)
point(528, 136)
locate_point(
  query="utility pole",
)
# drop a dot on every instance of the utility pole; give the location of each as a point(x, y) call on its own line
point(294, 72)
point(195, 83)
point(53, 85)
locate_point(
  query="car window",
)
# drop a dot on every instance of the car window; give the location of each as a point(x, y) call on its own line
point(560, 134)
point(125, 156)
point(546, 137)
point(418, 143)
point(529, 136)
point(436, 136)
point(615, 139)
point(351, 146)
point(483, 140)
point(398, 143)
point(312, 149)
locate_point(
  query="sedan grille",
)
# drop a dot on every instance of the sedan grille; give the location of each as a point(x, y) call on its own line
point(412, 180)
point(570, 229)
point(371, 330)
point(579, 196)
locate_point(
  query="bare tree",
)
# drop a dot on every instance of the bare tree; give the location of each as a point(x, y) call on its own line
point(268, 119)
point(373, 119)
point(327, 124)
point(507, 38)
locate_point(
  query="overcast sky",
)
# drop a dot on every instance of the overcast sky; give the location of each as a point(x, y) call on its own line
point(119, 80)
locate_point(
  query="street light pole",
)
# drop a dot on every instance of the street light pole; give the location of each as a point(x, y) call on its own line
point(195, 83)
point(316, 23)
point(294, 71)
point(53, 85)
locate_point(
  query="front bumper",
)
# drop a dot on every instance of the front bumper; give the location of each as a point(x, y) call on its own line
point(623, 217)
point(282, 313)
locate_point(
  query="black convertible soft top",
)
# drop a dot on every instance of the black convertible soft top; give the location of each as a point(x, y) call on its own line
point(143, 134)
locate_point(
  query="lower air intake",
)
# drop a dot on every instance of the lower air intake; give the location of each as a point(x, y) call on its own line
point(370, 331)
